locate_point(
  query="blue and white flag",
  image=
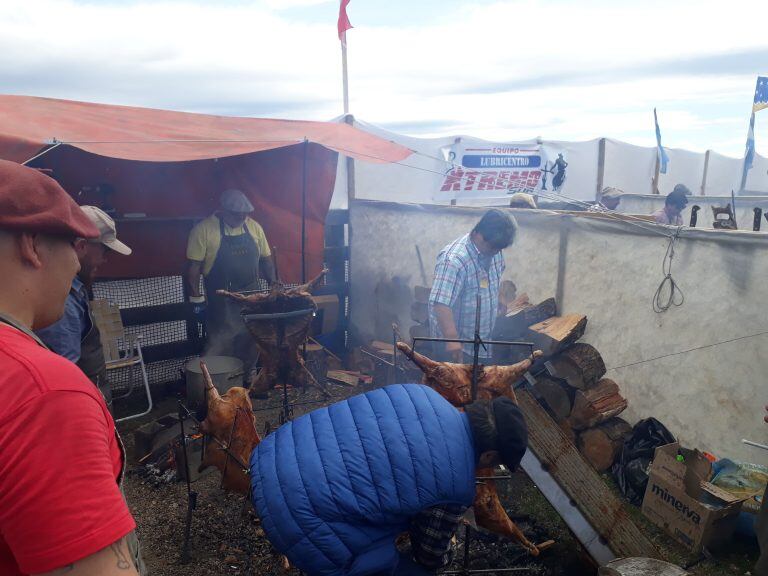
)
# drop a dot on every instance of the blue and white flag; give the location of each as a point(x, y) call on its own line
point(761, 94)
point(759, 102)
point(663, 158)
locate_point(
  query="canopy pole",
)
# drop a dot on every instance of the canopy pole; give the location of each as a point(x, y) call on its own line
point(36, 156)
point(304, 213)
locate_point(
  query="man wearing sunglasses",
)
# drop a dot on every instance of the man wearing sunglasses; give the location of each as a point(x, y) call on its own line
point(469, 266)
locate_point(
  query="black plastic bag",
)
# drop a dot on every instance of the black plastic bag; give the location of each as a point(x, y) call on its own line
point(631, 469)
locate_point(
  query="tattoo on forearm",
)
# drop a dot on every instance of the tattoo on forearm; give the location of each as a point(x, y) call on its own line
point(122, 559)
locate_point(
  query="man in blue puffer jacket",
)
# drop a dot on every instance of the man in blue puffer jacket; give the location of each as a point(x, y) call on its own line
point(335, 487)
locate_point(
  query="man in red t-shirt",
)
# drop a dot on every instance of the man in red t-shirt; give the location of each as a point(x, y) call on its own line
point(61, 461)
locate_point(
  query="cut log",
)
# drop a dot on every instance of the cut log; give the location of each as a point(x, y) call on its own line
point(602, 509)
point(421, 293)
point(596, 404)
point(420, 312)
point(556, 334)
point(581, 365)
point(555, 396)
point(515, 325)
point(601, 445)
point(419, 331)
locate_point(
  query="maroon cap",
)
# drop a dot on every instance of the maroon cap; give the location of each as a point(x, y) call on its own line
point(30, 201)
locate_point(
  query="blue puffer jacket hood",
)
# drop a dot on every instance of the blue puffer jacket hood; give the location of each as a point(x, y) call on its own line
point(334, 488)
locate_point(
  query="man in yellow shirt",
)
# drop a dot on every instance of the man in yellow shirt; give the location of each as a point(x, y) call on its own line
point(231, 252)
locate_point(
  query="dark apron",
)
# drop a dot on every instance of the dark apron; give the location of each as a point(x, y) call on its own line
point(235, 269)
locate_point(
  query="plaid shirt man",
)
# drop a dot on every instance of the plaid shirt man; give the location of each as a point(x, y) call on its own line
point(462, 273)
point(431, 532)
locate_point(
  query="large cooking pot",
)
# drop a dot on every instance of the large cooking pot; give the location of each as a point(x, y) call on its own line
point(226, 372)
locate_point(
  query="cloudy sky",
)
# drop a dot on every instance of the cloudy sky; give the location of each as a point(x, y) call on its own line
point(503, 70)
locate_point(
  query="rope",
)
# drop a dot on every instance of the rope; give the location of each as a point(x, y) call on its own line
point(675, 295)
point(704, 347)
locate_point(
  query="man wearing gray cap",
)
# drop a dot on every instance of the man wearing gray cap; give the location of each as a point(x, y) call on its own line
point(76, 336)
point(230, 250)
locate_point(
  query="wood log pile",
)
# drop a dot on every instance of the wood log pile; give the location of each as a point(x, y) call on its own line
point(570, 379)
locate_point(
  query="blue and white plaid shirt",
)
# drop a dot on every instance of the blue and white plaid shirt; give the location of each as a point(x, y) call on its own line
point(460, 275)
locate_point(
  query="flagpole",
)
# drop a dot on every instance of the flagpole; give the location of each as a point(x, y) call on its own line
point(748, 157)
point(344, 73)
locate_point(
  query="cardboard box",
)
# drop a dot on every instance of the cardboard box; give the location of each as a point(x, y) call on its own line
point(680, 499)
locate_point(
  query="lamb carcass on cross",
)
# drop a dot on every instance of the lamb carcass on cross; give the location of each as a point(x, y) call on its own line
point(280, 332)
point(230, 427)
point(454, 382)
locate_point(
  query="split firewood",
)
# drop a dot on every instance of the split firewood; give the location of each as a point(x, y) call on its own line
point(518, 319)
point(555, 334)
point(556, 397)
point(580, 365)
point(596, 404)
point(519, 304)
point(602, 444)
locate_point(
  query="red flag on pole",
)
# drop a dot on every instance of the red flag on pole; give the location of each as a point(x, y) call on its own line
point(344, 23)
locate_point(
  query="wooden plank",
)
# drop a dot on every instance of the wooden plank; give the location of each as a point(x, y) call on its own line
point(599, 505)
point(343, 377)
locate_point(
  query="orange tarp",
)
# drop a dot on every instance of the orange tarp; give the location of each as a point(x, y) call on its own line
point(28, 124)
point(171, 168)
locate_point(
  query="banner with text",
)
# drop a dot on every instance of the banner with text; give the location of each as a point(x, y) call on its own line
point(493, 169)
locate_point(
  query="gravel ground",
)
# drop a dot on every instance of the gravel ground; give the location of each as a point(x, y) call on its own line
point(226, 537)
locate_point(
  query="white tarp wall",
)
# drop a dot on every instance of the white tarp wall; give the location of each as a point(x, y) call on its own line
point(629, 168)
point(723, 175)
point(710, 398)
point(684, 168)
point(624, 166)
